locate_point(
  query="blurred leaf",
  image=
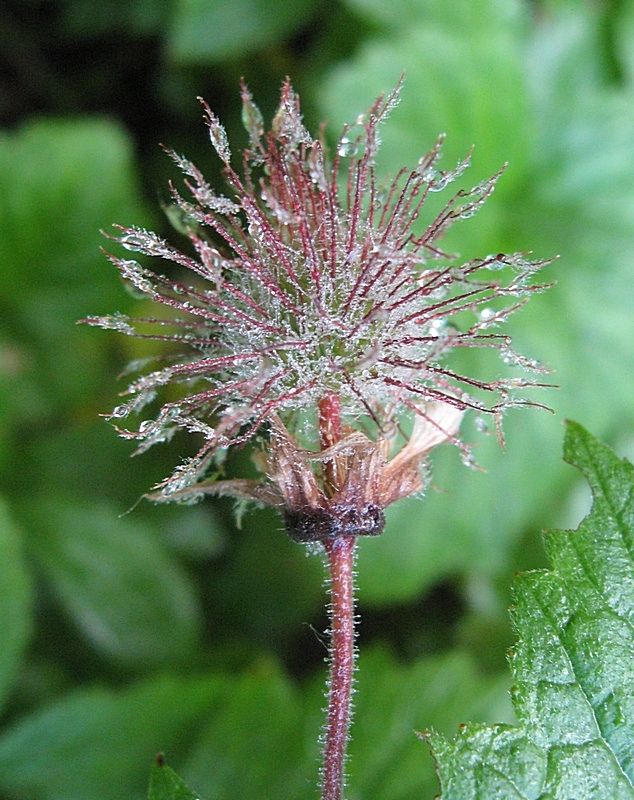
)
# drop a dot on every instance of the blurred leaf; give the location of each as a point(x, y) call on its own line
point(15, 602)
point(166, 785)
point(586, 199)
point(128, 597)
point(624, 36)
point(194, 533)
point(213, 30)
point(463, 77)
point(408, 556)
point(98, 743)
point(573, 662)
point(89, 20)
point(464, 18)
point(60, 182)
point(256, 745)
point(284, 586)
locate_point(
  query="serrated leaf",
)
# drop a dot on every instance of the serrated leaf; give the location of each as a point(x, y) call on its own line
point(573, 663)
point(394, 700)
point(166, 785)
point(115, 580)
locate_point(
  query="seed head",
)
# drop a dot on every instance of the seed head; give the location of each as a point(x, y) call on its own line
point(311, 279)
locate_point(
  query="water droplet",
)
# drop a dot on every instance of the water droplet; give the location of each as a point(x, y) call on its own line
point(133, 241)
point(486, 314)
point(436, 327)
point(347, 147)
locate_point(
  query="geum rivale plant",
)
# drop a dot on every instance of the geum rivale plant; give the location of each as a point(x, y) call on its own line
point(315, 317)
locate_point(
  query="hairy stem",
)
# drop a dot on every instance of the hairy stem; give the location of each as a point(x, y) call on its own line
point(340, 553)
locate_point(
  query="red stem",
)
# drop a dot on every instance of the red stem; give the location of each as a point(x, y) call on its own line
point(329, 420)
point(340, 552)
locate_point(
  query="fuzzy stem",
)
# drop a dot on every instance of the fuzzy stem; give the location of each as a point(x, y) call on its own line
point(340, 551)
point(329, 420)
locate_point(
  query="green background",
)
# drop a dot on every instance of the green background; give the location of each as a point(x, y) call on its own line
point(127, 629)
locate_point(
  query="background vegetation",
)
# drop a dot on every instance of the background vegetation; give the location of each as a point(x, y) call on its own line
point(127, 629)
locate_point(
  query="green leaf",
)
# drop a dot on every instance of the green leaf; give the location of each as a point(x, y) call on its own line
point(257, 744)
point(15, 601)
point(97, 743)
point(61, 181)
point(573, 666)
point(115, 580)
point(212, 30)
point(275, 605)
point(166, 785)
point(83, 20)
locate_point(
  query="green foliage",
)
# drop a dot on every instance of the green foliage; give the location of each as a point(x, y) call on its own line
point(574, 674)
point(130, 598)
point(122, 637)
point(166, 785)
point(61, 182)
point(98, 743)
point(16, 600)
point(204, 31)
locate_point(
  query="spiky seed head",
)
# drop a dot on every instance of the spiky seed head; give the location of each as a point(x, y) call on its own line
point(311, 279)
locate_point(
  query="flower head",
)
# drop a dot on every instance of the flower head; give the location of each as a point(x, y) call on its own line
point(311, 279)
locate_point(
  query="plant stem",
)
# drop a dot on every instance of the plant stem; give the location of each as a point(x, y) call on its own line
point(340, 551)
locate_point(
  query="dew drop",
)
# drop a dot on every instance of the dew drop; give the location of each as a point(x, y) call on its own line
point(133, 241)
point(486, 314)
point(138, 291)
point(440, 327)
point(347, 147)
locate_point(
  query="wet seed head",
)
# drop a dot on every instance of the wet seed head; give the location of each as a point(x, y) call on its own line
point(307, 280)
